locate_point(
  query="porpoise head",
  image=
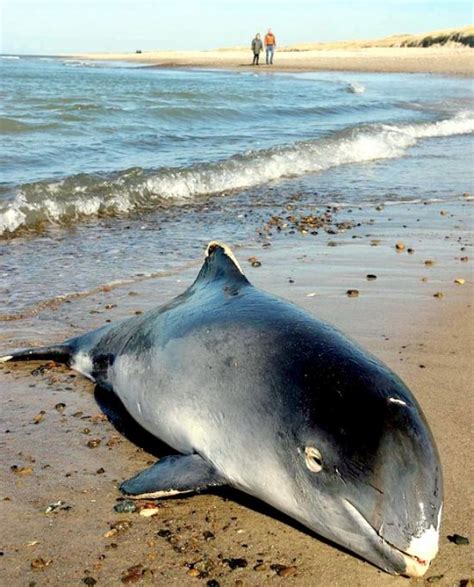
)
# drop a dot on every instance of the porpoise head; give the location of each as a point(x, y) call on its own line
point(365, 472)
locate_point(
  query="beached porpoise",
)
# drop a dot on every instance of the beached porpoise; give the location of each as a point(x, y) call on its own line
point(257, 394)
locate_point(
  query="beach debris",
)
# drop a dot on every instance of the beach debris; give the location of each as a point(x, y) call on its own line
point(459, 281)
point(110, 306)
point(138, 312)
point(90, 581)
point(254, 262)
point(400, 247)
point(261, 567)
point(60, 407)
point(149, 511)
point(236, 563)
point(352, 293)
point(100, 471)
point(434, 578)
point(458, 539)
point(39, 564)
point(311, 294)
point(283, 570)
point(424, 279)
point(371, 277)
point(57, 506)
point(465, 582)
point(21, 470)
point(438, 294)
point(207, 535)
point(410, 251)
point(429, 263)
point(464, 259)
point(193, 573)
point(39, 417)
point(133, 574)
point(94, 443)
point(126, 506)
point(375, 242)
point(164, 533)
point(213, 583)
point(118, 528)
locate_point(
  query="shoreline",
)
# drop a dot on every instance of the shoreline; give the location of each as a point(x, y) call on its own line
point(425, 340)
point(458, 61)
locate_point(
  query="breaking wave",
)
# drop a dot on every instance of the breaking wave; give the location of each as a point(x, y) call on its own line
point(139, 190)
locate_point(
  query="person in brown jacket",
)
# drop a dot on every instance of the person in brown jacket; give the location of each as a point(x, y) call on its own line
point(270, 44)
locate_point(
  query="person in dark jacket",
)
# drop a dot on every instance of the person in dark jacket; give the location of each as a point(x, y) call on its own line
point(257, 48)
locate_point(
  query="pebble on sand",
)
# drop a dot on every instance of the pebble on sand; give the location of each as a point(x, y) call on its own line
point(93, 443)
point(126, 506)
point(21, 470)
point(459, 281)
point(429, 263)
point(458, 539)
point(400, 246)
point(438, 294)
point(371, 277)
point(133, 574)
point(352, 293)
point(39, 564)
point(254, 262)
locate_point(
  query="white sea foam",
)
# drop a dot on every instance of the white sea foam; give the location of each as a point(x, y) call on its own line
point(64, 201)
point(355, 88)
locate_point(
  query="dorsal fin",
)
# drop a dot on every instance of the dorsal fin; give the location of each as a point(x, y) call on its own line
point(220, 263)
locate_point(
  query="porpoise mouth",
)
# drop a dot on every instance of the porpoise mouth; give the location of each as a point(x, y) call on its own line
point(414, 565)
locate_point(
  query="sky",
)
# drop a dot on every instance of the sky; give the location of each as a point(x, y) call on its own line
point(62, 26)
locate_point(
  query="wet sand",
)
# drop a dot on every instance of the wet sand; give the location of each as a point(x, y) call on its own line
point(63, 449)
point(444, 60)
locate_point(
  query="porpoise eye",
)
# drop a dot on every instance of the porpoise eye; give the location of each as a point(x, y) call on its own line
point(314, 460)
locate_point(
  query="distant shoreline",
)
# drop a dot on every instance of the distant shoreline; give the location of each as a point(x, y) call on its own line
point(457, 60)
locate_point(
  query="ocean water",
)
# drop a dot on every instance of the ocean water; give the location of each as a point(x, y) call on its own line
point(113, 172)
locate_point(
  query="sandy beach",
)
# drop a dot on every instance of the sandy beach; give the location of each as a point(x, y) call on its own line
point(440, 60)
point(62, 458)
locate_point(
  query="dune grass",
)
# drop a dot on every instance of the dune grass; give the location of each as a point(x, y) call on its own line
point(463, 36)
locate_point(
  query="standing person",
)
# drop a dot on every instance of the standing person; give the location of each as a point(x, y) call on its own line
point(257, 48)
point(270, 44)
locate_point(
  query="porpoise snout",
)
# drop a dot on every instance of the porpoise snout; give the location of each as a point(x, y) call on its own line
point(403, 495)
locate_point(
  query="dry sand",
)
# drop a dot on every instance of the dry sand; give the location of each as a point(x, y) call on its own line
point(428, 341)
point(441, 60)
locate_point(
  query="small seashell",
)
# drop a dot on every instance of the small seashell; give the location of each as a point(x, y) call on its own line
point(93, 443)
point(193, 573)
point(149, 512)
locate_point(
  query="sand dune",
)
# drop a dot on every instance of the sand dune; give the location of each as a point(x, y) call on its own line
point(446, 52)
